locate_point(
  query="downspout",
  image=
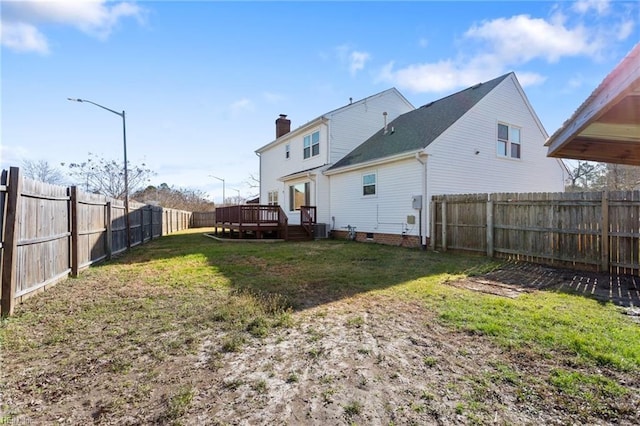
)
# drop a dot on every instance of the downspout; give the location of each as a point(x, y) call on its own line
point(423, 189)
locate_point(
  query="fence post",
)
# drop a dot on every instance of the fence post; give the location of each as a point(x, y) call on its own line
point(73, 199)
point(108, 238)
point(444, 224)
point(150, 222)
point(432, 220)
point(141, 225)
point(605, 230)
point(490, 227)
point(9, 256)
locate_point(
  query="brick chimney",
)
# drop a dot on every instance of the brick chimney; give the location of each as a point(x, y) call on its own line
point(283, 126)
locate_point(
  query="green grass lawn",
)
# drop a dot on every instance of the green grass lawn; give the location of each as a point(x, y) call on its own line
point(159, 300)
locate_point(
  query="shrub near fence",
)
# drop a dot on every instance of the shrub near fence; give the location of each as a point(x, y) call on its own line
point(50, 232)
point(590, 230)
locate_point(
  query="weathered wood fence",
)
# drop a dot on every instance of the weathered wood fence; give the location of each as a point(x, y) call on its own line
point(584, 230)
point(50, 232)
point(203, 219)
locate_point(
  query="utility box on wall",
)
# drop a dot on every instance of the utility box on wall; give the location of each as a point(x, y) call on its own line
point(416, 202)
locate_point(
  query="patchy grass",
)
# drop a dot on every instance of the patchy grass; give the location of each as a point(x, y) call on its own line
point(546, 322)
point(144, 337)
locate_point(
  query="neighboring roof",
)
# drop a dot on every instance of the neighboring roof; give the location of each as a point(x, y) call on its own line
point(324, 117)
point(300, 173)
point(416, 129)
point(606, 127)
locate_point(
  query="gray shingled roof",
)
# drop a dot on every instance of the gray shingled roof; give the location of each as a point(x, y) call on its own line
point(416, 129)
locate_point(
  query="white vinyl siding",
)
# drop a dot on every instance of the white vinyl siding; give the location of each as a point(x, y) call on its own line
point(474, 167)
point(340, 131)
point(352, 126)
point(387, 212)
point(462, 160)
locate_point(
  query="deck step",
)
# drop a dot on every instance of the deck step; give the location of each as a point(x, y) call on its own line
point(297, 233)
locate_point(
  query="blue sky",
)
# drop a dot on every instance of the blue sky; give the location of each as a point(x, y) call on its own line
point(202, 82)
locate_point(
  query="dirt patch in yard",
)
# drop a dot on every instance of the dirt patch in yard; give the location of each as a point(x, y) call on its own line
point(368, 359)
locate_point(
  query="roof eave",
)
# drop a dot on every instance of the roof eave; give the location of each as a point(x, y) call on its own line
point(375, 162)
point(313, 123)
point(623, 81)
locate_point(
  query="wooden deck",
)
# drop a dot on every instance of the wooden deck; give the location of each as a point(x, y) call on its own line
point(263, 221)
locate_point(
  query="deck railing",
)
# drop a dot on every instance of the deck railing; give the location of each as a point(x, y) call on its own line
point(308, 218)
point(249, 214)
point(253, 215)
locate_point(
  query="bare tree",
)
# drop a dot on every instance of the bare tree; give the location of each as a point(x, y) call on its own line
point(590, 176)
point(41, 170)
point(176, 198)
point(621, 177)
point(585, 176)
point(101, 176)
point(253, 182)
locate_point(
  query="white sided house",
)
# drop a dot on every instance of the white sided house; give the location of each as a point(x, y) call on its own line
point(291, 166)
point(486, 138)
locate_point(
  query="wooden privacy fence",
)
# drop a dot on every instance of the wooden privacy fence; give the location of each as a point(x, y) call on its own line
point(588, 230)
point(203, 219)
point(50, 232)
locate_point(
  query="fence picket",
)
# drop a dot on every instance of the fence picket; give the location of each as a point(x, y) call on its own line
point(591, 230)
point(53, 231)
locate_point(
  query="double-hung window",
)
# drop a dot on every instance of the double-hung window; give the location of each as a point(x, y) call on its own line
point(287, 151)
point(508, 141)
point(369, 184)
point(273, 198)
point(311, 146)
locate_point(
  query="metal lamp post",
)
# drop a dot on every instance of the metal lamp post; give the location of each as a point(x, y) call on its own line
point(126, 174)
point(223, 194)
point(238, 191)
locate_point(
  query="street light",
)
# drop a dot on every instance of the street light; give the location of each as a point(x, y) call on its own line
point(223, 195)
point(126, 175)
point(238, 191)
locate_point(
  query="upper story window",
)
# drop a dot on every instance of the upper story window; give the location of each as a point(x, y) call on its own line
point(369, 184)
point(287, 151)
point(508, 141)
point(311, 145)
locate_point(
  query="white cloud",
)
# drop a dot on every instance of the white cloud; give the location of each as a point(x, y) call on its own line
point(354, 59)
point(584, 6)
point(502, 44)
point(527, 79)
point(625, 30)
point(357, 61)
point(520, 39)
point(97, 18)
point(23, 38)
point(241, 105)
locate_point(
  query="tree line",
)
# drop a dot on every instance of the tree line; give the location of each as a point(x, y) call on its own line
point(590, 176)
point(98, 175)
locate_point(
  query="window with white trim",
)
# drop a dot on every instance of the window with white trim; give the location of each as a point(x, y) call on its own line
point(369, 184)
point(273, 198)
point(311, 145)
point(287, 151)
point(508, 144)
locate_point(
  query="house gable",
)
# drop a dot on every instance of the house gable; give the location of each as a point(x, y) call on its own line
point(417, 129)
